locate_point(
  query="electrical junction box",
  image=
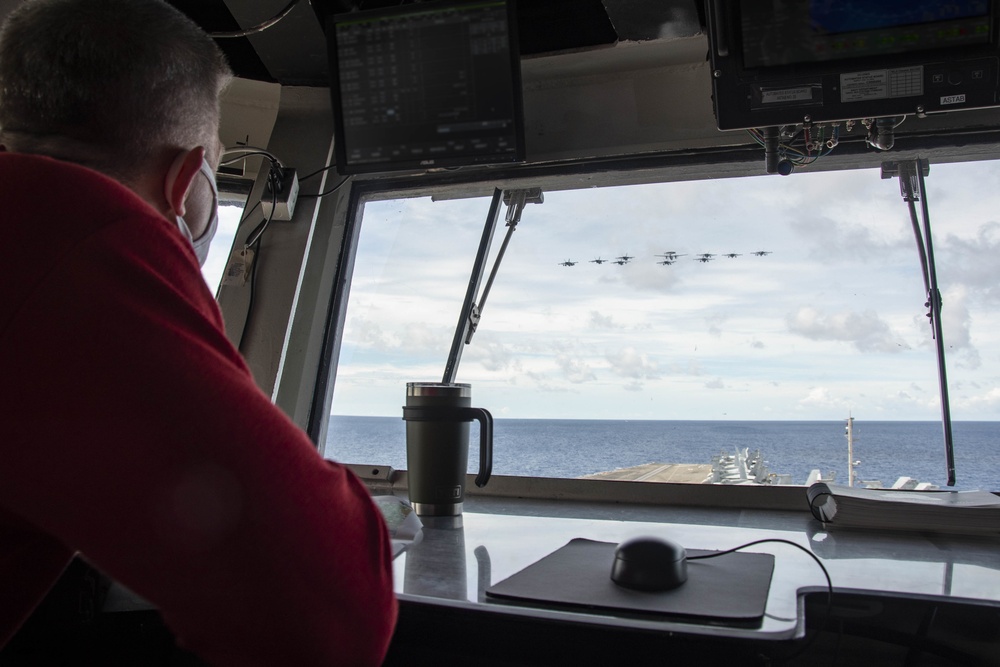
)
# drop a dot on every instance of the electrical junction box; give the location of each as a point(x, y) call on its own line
point(284, 199)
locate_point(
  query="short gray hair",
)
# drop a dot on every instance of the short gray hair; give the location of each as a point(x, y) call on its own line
point(120, 78)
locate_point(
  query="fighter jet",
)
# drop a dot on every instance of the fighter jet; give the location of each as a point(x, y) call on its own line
point(567, 263)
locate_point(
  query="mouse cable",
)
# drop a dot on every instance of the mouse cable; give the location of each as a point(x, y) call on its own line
point(829, 584)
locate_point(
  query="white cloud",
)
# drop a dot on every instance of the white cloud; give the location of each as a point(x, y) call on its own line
point(630, 363)
point(364, 332)
point(956, 326)
point(544, 382)
point(715, 322)
point(987, 404)
point(833, 239)
point(493, 356)
point(690, 367)
point(821, 397)
point(866, 331)
point(575, 370)
point(972, 261)
point(599, 321)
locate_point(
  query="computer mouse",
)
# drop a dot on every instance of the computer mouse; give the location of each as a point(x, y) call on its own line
point(649, 564)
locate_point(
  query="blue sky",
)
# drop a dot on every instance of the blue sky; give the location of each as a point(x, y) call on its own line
point(831, 322)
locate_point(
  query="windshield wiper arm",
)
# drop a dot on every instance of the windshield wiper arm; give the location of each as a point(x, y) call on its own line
point(911, 175)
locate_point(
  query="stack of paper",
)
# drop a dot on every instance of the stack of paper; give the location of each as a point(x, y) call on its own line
point(962, 512)
point(405, 527)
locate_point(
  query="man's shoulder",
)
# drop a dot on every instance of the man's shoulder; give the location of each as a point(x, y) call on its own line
point(26, 177)
point(71, 227)
point(51, 204)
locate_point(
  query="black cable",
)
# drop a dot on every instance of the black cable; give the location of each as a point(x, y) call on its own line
point(247, 214)
point(260, 27)
point(253, 243)
point(275, 162)
point(253, 289)
point(317, 172)
point(253, 238)
point(253, 280)
point(243, 218)
point(829, 585)
point(330, 191)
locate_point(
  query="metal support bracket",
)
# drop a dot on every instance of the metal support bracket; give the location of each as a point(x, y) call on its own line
point(906, 171)
point(471, 313)
point(911, 175)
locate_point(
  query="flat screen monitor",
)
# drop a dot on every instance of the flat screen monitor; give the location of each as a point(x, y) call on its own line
point(779, 62)
point(426, 85)
point(804, 32)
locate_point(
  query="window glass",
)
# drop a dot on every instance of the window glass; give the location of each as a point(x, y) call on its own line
point(222, 244)
point(791, 304)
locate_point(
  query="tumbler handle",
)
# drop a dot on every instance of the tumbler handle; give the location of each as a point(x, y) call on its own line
point(485, 420)
point(447, 413)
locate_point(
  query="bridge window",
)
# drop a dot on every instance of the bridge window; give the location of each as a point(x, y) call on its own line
point(753, 314)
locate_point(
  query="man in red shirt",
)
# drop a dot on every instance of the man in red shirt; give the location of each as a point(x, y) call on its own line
point(132, 432)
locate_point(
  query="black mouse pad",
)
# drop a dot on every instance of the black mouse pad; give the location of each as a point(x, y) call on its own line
point(729, 588)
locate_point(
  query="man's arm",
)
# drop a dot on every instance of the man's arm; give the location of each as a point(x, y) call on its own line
point(156, 456)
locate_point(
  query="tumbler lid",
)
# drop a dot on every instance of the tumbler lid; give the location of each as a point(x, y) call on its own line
point(450, 389)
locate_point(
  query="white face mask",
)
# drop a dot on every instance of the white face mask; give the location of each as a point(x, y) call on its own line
point(202, 243)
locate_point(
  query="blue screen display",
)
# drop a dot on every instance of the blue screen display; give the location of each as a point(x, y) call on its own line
point(787, 32)
point(840, 16)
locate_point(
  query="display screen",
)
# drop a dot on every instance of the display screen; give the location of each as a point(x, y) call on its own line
point(426, 85)
point(790, 32)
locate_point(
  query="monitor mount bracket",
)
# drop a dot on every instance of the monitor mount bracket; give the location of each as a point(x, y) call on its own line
point(468, 319)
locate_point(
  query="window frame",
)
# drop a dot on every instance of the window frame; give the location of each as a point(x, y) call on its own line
point(727, 162)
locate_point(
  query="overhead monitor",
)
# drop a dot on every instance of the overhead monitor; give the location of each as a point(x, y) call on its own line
point(779, 62)
point(426, 85)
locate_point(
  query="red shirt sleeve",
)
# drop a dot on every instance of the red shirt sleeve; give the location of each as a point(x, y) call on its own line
point(140, 439)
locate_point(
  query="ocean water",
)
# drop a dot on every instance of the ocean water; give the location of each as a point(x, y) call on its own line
point(573, 448)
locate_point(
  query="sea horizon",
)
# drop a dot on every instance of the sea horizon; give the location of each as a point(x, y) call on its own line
point(723, 419)
point(572, 448)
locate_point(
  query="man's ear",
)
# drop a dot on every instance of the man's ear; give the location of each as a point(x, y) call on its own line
point(180, 176)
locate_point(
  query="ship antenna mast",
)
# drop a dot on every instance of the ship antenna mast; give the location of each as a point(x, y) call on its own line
point(851, 463)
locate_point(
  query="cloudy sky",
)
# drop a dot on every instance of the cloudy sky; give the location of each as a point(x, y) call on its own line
point(832, 321)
